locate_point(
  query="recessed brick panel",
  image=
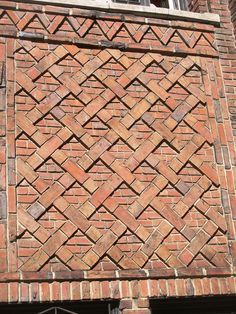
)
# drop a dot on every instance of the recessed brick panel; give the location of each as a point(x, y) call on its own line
point(128, 142)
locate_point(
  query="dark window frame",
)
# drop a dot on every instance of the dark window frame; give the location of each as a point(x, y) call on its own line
point(79, 307)
point(194, 305)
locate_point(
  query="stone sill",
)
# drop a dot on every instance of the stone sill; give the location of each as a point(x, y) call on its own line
point(147, 11)
point(162, 273)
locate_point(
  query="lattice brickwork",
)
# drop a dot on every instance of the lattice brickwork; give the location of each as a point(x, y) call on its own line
point(115, 163)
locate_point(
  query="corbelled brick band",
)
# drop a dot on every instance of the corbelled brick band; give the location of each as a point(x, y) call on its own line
point(117, 156)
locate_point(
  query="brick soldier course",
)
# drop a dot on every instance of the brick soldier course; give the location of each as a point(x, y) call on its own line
point(117, 154)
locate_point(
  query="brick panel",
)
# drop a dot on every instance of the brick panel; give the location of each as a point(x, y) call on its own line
point(113, 170)
point(119, 153)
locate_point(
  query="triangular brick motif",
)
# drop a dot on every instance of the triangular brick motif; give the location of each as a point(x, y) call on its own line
point(56, 264)
point(73, 148)
point(177, 89)
point(50, 166)
point(183, 129)
point(150, 35)
point(203, 41)
point(107, 264)
point(122, 33)
point(35, 22)
point(27, 56)
point(64, 27)
point(121, 151)
point(156, 70)
point(117, 108)
point(71, 105)
point(137, 89)
point(6, 20)
point(95, 31)
point(202, 260)
point(99, 172)
point(47, 83)
point(93, 83)
point(140, 130)
point(173, 37)
point(164, 152)
point(114, 65)
point(96, 128)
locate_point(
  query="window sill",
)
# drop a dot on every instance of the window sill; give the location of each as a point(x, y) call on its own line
point(147, 11)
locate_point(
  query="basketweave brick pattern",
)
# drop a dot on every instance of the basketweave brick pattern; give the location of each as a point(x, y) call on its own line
point(115, 164)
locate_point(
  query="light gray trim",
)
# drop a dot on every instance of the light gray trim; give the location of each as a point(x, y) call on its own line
point(147, 11)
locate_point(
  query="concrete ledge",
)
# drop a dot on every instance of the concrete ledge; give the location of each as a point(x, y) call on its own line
point(147, 11)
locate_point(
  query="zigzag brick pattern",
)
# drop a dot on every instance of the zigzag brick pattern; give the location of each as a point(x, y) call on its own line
point(115, 161)
point(91, 27)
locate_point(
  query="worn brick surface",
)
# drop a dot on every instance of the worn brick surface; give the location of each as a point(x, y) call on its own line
point(117, 160)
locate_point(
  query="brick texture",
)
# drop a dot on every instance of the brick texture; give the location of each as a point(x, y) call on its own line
point(119, 145)
point(232, 7)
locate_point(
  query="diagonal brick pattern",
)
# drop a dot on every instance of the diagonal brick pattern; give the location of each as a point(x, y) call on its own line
point(115, 160)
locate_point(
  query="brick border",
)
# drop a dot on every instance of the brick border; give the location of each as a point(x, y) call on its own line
point(118, 274)
point(70, 290)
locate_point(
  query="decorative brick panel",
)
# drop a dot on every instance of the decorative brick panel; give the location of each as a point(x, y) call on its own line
point(105, 142)
point(119, 154)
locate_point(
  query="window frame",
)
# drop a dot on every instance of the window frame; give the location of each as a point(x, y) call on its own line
point(141, 2)
point(178, 4)
point(173, 4)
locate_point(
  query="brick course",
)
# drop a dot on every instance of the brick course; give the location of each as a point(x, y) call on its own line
point(117, 156)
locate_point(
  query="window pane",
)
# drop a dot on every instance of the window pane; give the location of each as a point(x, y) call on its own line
point(183, 5)
point(164, 4)
point(176, 4)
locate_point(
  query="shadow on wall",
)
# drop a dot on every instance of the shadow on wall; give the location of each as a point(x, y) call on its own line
point(194, 305)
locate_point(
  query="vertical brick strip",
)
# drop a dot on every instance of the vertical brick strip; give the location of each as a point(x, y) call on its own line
point(11, 154)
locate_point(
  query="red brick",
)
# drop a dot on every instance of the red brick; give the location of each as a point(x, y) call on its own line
point(45, 291)
point(51, 195)
point(75, 171)
point(49, 147)
point(3, 242)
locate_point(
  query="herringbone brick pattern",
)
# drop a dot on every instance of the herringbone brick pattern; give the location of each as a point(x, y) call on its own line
point(115, 163)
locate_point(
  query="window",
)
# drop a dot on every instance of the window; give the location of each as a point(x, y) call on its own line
point(170, 4)
point(137, 2)
point(178, 5)
point(80, 307)
point(194, 305)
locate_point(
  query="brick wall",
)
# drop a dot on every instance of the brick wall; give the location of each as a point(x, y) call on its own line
point(117, 156)
point(232, 7)
point(226, 45)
